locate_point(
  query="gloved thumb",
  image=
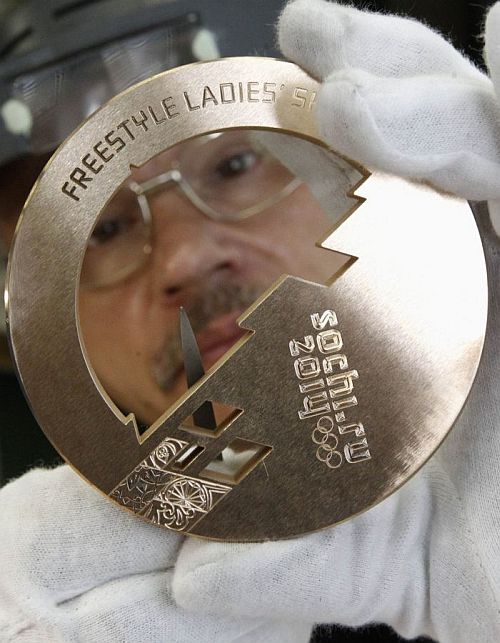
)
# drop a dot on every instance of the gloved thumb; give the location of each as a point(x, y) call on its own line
point(382, 566)
point(61, 538)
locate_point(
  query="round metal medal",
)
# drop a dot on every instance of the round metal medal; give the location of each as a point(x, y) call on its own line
point(336, 390)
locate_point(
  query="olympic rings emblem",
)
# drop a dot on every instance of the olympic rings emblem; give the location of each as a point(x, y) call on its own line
point(323, 436)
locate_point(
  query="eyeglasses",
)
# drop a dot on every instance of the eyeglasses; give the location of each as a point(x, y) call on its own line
point(227, 176)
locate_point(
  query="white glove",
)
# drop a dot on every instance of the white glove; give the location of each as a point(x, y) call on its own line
point(76, 568)
point(396, 97)
point(399, 98)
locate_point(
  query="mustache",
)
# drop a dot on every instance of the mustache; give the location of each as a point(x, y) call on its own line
point(213, 302)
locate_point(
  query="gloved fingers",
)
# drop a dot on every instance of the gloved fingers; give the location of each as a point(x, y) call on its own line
point(492, 45)
point(380, 566)
point(440, 130)
point(74, 567)
point(326, 37)
point(61, 538)
point(141, 608)
point(370, 568)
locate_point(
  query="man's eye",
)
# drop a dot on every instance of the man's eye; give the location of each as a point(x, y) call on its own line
point(237, 164)
point(109, 229)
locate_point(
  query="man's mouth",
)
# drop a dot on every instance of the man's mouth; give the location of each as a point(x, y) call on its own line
point(213, 318)
point(218, 336)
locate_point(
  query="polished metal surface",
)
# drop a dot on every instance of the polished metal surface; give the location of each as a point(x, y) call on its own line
point(339, 392)
point(193, 367)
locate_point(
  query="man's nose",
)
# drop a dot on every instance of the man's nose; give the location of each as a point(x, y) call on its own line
point(190, 250)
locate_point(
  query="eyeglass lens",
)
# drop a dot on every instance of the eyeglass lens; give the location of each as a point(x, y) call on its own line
point(228, 174)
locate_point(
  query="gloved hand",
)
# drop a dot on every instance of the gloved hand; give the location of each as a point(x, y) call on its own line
point(398, 98)
point(74, 567)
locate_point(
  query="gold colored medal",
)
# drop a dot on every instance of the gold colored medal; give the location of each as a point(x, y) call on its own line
point(335, 392)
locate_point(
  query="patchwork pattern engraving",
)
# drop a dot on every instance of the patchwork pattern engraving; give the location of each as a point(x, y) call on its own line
point(141, 485)
point(183, 501)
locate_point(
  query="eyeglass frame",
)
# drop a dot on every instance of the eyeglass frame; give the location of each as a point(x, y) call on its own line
point(174, 176)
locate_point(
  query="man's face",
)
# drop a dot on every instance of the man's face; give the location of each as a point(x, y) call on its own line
point(215, 269)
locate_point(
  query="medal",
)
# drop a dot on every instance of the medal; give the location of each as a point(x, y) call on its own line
point(335, 391)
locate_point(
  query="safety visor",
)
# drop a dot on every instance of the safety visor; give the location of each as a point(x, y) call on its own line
point(43, 106)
